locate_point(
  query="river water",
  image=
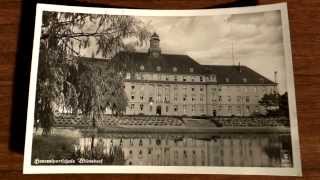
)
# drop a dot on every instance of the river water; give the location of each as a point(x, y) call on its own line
point(238, 150)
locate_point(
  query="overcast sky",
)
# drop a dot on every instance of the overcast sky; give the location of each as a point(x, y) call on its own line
point(257, 40)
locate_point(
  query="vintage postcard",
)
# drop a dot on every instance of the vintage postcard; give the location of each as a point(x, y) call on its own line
point(162, 91)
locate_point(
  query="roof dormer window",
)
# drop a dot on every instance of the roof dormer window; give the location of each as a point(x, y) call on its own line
point(142, 68)
point(261, 80)
point(244, 80)
point(174, 69)
point(191, 70)
point(158, 68)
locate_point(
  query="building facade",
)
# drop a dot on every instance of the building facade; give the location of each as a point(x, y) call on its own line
point(176, 85)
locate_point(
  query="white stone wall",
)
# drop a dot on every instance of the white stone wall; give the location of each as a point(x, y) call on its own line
point(178, 95)
point(174, 99)
point(237, 100)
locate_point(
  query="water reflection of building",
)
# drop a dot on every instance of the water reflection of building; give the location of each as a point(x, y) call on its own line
point(240, 150)
point(176, 85)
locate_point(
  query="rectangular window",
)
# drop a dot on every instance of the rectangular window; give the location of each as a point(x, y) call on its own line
point(150, 108)
point(201, 78)
point(239, 109)
point(184, 108)
point(132, 87)
point(184, 97)
point(220, 98)
point(202, 108)
point(238, 99)
point(229, 98)
point(247, 99)
point(184, 79)
point(193, 108)
point(132, 106)
point(141, 107)
point(201, 97)
point(167, 108)
point(141, 98)
point(128, 76)
point(247, 109)
point(175, 78)
point(132, 97)
point(175, 108)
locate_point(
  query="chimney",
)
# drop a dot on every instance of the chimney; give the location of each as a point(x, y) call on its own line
point(239, 66)
point(275, 77)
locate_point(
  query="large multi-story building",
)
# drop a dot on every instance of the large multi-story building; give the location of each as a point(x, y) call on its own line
point(176, 85)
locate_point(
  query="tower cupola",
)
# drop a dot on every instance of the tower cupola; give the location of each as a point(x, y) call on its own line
point(154, 49)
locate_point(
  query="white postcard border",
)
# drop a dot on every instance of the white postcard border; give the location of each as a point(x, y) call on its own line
point(75, 169)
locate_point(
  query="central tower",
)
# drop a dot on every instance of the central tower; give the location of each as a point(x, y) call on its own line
point(154, 49)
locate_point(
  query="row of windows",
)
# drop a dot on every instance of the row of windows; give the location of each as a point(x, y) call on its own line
point(213, 90)
point(140, 142)
point(133, 87)
point(185, 97)
point(176, 155)
point(149, 151)
point(240, 99)
point(166, 98)
point(246, 109)
point(175, 108)
point(140, 76)
point(174, 69)
point(160, 77)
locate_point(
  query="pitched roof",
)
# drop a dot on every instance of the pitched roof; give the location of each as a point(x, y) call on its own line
point(225, 74)
point(165, 63)
point(228, 74)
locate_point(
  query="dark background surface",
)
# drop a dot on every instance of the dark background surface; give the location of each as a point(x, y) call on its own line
point(16, 36)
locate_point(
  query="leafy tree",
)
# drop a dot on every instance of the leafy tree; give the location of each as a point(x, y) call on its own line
point(64, 83)
point(275, 104)
point(284, 105)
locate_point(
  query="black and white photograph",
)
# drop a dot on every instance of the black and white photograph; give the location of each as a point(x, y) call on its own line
point(162, 91)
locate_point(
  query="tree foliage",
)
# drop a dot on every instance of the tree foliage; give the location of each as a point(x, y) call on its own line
point(276, 104)
point(63, 82)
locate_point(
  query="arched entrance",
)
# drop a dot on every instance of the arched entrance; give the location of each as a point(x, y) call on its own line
point(158, 110)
